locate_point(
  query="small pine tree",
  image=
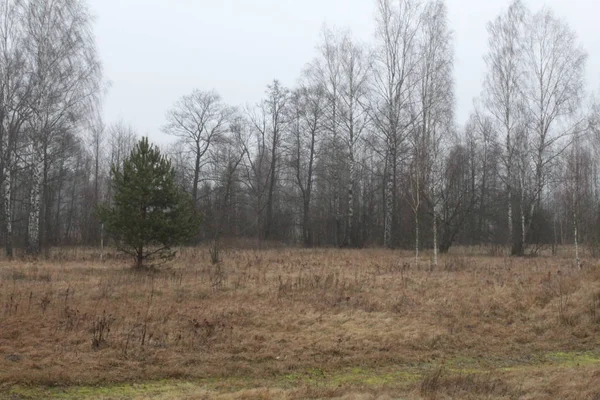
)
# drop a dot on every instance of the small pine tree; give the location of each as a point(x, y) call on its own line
point(149, 214)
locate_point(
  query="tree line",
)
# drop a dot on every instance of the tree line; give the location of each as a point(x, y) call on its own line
point(363, 150)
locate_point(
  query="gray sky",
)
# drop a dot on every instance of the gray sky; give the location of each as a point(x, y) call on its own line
point(155, 51)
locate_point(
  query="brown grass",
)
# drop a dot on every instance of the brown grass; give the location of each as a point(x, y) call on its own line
point(288, 323)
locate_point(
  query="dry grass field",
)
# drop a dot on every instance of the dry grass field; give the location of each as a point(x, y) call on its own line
point(295, 324)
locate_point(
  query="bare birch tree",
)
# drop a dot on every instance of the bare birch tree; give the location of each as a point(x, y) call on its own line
point(307, 124)
point(96, 142)
point(503, 87)
point(275, 106)
point(199, 120)
point(573, 180)
point(121, 140)
point(394, 80)
point(263, 148)
point(326, 71)
point(122, 137)
point(66, 78)
point(436, 101)
point(356, 69)
point(554, 64)
point(227, 159)
point(14, 98)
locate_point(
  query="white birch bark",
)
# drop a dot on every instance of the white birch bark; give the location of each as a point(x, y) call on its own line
point(435, 239)
point(575, 230)
point(417, 236)
point(436, 113)
point(6, 146)
point(393, 83)
point(8, 210)
point(389, 198)
point(351, 197)
point(522, 212)
point(33, 237)
point(502, 96)
point(575, 199)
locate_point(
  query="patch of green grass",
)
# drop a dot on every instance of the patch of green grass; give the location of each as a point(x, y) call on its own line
point(358, 376)
point(396, 376)
point(121, 391)
point(378, 378)
point(574, 359)
point(316, 377)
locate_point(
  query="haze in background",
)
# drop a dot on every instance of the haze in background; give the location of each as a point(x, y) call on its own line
point(155, 51)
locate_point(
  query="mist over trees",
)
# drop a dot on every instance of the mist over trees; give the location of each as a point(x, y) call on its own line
point(363, 150)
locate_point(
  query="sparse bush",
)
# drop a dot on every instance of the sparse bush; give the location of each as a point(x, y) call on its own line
point(101, 329)
point(215, 253)
point(431, 381)
point(45, 302)
point(217, 277)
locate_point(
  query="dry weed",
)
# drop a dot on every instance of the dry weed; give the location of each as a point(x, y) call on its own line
point(279, 312)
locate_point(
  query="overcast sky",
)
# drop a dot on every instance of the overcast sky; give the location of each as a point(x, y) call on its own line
point(155, 51)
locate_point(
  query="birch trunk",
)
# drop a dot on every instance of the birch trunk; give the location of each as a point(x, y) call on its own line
point(574, 201)
point(510, 215)
point(417, 205)
point(338, 214)
point(389, 197)
point(575, 230)
point(435, 239)
point(7, 148)
point(102, 242)
point(555, 242)
point(196, 178)
point(511, 234)
point(308, 229)
point(522, 211)
point(33, 240)
point(8, 210)
point(6, 145)
point(336, 177)
point(350, 233)
point(417, 237)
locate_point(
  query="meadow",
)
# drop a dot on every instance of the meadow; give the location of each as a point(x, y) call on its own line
point(300, 324)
